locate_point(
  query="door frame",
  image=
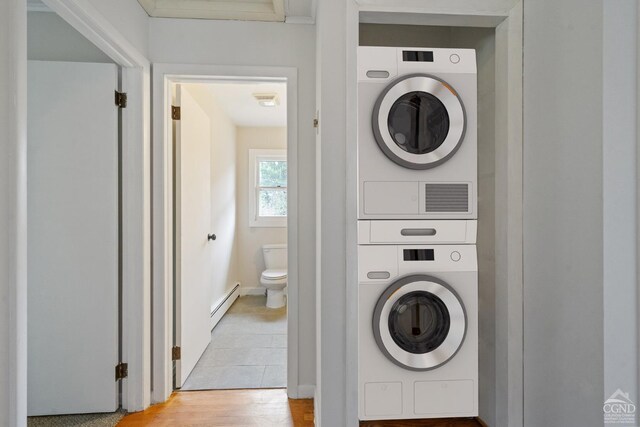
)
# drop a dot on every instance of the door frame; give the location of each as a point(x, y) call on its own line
point(164, 75)
point(509, 318)
point(136, 194)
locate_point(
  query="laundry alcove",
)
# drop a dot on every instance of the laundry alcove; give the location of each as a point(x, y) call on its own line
point(493, 197)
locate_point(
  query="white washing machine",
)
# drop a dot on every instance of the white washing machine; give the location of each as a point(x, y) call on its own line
point(417, 323)
point(417, 136)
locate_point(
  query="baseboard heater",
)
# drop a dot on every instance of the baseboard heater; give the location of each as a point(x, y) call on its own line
point(223, 305)
point(229, 295)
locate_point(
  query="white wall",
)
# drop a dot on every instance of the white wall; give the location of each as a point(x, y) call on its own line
point(51, 38)
point(563, 220)
point(128, 18)
point(267, 44)
point(251, 239)
point(483, 41)
point(404, 35)
point(224, 254)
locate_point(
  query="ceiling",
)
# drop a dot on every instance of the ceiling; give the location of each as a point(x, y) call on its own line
point(237, 100)
point(294, 11)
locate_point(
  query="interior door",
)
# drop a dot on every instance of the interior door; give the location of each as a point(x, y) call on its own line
point(192, 225)
point(72, 162)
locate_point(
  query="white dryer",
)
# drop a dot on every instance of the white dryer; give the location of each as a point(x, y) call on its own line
point(417, 324)
point(417, 136)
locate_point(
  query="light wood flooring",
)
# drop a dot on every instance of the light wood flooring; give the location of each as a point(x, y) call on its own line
point(264, 408)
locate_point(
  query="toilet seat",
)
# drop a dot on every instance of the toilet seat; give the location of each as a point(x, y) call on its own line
point(274, 274)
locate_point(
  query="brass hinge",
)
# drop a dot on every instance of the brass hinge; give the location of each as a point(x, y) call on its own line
point(175, 353)
point(121, 99)
point(175, 112)
point(122, 371)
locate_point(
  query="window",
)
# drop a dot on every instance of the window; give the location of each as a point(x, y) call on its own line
point(268, 188)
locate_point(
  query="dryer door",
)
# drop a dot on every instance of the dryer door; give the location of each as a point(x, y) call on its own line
point(419, 322)
point(419, 121)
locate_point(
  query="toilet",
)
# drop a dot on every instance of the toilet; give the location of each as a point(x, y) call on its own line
point(274, 278)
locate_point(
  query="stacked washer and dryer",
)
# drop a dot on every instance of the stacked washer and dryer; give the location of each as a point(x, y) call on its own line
point(417, 221)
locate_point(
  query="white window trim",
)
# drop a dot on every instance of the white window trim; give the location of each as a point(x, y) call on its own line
point(254, 157)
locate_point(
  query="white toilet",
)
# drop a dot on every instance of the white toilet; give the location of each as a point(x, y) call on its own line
point(274, 278)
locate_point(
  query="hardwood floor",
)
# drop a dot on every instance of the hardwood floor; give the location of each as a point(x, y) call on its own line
point(264, 408)
point(267, 408)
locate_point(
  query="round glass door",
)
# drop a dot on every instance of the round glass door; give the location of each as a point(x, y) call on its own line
point(419, 122)
point(419, 322)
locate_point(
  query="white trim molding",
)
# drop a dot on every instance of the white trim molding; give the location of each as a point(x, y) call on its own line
point(164, 76)
point(13, 214)
point(306, 391)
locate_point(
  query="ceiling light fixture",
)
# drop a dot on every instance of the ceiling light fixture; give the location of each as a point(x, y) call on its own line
point(267, 99)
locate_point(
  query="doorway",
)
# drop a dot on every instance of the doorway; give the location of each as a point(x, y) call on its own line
point(73, 222)
point(88, 246)
point(230, 208)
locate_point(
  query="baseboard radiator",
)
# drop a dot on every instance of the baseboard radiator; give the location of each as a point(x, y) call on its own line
point(223, 304)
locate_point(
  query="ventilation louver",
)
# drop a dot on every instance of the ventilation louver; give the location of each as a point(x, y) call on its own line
point(446, 198)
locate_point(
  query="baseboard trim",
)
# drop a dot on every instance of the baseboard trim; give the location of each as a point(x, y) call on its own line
point(222, 305)
point(252, 291)
point(306, 391)
point(481, 422)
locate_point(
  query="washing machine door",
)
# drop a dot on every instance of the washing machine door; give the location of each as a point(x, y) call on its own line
point(419, 322)
point(419, 121)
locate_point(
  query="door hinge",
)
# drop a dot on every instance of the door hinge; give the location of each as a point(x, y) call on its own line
point(175, 353)
point(122, 371)
point(175, 112)
point(316, 123)
point(121, 99)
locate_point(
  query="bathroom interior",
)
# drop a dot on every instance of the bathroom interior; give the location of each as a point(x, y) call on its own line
point(245, 277)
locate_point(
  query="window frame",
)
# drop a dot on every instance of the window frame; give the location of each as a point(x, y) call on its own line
point(255, 157)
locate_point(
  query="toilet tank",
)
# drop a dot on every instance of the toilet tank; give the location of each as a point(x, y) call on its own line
point(275, 256)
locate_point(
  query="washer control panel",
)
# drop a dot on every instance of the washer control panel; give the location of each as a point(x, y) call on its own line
point(381, 263)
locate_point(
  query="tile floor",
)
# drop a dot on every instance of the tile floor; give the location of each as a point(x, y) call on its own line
point(248, 349)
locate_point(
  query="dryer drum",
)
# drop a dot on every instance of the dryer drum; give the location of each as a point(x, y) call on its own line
point(419, 322)
point(419, 121)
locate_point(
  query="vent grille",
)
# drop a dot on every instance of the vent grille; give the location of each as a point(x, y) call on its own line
point(447, 198)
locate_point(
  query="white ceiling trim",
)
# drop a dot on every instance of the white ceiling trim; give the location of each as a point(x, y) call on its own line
point(256, 10)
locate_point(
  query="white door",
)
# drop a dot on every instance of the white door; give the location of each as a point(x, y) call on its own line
point(193, 221)
point(72, 167)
